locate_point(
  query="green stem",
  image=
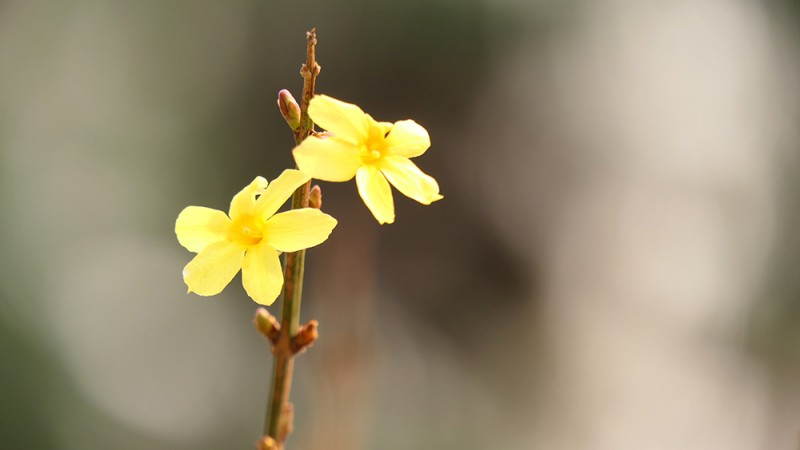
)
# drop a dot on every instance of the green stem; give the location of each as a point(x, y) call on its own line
point(278, 419)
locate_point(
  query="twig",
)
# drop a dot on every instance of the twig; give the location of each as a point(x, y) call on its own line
point(278, 421)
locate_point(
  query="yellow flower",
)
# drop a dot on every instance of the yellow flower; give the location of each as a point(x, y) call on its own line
point(372, 152)
point(250, 238)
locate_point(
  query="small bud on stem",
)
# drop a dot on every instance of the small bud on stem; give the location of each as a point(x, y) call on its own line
point(315, 197)
point(290, 110)
point(267, 325)
point(305, 337)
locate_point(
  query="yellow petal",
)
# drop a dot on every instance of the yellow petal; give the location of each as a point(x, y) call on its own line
point(344, 120)
point(262, 275)
point(197, 227)
point(327, 159)
point(382, 127)
point(245, 200)
point(408, 138)
point(297, 229)
point(376, 193)
point(213, 268)
point(278, 192)
point(408, 179)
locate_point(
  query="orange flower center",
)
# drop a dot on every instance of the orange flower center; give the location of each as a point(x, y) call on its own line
point(370, 156)
point(246, 230)
point(374, 147)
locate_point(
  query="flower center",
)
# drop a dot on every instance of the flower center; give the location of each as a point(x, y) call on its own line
point(246, 230)
point(375, 146)
point(370, 156)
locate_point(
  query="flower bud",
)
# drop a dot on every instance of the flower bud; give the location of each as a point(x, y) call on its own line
point(290, 110)
point(315, 197)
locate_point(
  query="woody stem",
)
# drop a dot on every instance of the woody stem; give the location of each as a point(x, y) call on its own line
point(278, 420)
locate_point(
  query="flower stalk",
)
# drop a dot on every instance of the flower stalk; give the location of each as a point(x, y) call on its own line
point(278, 422)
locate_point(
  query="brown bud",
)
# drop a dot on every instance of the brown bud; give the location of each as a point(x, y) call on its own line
point(290, 110)
point(315, 197)
point(266, 324)
point(305, 337)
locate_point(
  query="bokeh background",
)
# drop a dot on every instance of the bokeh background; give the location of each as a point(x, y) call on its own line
point(614, 265)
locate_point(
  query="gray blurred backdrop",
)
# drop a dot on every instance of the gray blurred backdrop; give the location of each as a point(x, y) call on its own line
point(614, 265)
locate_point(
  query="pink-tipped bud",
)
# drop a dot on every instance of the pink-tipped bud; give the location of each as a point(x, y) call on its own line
point(290, 110)
point(315, 197)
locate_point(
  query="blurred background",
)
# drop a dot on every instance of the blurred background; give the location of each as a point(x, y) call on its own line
point(614, 265)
